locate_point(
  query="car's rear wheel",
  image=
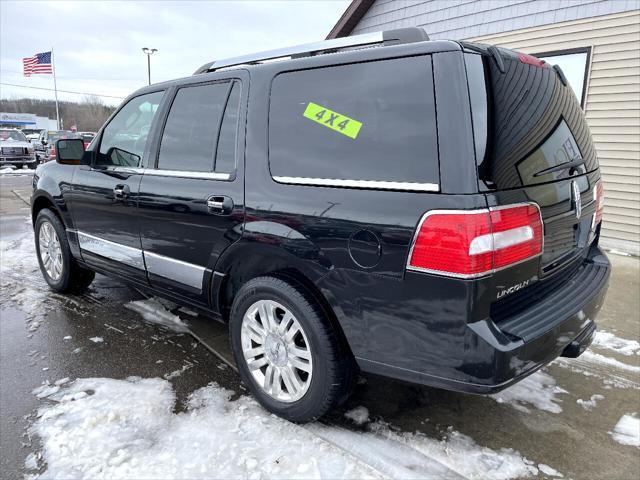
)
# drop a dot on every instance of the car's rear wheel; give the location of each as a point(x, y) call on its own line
point(286, 350)
point(57, 265)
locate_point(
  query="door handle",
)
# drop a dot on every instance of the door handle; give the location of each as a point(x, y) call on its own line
point(120, 192)
point(219, 204)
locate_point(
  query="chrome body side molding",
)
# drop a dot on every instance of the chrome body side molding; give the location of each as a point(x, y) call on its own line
point(112, 250)
point(166, 267)
point(176, 270)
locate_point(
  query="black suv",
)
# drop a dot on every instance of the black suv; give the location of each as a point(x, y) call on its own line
point(424, 210)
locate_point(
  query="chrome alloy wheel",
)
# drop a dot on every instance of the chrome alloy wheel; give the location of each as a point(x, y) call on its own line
point(276, 350)
point(50, 251)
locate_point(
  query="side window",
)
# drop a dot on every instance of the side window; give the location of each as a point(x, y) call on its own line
point(200, 134)
point(371, 121)
point(124, 139)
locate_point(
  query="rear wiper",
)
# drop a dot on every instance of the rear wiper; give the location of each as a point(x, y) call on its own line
point(563, 166)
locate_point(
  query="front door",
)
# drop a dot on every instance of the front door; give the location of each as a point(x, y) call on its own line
point(104, 194)
point(192, 203)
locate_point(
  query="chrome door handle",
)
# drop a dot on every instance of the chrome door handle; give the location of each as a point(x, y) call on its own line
point(219, 205)
point(121, 192)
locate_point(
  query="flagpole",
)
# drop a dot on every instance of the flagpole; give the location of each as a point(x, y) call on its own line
point(55, 89)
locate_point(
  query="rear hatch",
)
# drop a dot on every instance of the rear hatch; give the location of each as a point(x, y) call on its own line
point(533, 144)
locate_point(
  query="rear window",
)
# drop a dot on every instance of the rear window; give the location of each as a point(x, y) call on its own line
point(371, 121)
point(526, 123)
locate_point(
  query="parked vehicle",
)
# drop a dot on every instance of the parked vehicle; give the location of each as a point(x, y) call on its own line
point(424, 210)
point(87, 138)
point(15, 149)
point(32, 134)
point(46, 143)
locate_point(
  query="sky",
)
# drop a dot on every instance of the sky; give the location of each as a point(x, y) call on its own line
point(97, 44)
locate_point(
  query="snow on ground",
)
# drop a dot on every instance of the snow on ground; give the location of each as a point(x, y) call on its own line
point(608, 340)
point(153, 310)
point(538, 390)
point(97, 339)
point(358, 415)
point(106, 428)
point(593, 357)
point(591, 403)
point(627, 430)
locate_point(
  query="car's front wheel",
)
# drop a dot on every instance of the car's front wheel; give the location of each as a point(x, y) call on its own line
point(287, 351)
point(57, 265)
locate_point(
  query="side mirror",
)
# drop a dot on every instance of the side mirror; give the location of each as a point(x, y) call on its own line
point(44, 142)
point(69, 151)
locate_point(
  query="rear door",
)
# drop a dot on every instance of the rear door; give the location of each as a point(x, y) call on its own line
point(191, 202)
point(533, 145)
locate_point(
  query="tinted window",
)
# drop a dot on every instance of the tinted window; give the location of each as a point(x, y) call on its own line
point(124, 139)
point(369, 121)
point(191, 133)
point(226, 154)
point(535, 123)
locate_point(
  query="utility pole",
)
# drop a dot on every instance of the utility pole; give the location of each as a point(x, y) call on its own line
point(148, 52)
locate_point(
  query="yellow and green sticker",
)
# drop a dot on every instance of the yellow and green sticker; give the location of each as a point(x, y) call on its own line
point(333, 120)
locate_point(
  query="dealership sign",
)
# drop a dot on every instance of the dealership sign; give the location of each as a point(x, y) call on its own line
point(17, 118)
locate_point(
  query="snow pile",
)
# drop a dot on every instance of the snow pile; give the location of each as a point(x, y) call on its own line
point(596, 358)
point(105, 428)
point(153, 310)
point(358, 415)
point(539, 390)
point(97, 339)
point(627, 430)
point(591, 403)
point(608, 340)
point(416, 456)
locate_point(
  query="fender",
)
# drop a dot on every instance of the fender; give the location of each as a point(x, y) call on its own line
point(265, 247)
point(52, 182)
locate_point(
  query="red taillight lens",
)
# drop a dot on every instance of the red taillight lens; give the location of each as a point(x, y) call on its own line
point(531, 60)
point(52, 152)
point(478, 242)
point(598, 197)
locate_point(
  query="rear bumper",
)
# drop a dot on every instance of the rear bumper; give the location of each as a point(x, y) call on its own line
point(486, 356)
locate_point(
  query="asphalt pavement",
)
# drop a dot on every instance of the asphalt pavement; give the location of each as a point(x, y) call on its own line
point(45, 337)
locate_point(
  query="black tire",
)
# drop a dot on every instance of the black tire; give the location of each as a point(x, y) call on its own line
point(333, 366)
point(73, 278)
point(32, 166)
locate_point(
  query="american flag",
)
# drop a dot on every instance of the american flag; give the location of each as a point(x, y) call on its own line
point(40, 63)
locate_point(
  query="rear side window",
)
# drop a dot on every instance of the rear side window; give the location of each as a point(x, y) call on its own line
point(197, 133)
point(372, 121)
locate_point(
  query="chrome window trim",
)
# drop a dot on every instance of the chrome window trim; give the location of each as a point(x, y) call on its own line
point(115, 251)
point(187, 174)
point(365, 184)
point(176, 270)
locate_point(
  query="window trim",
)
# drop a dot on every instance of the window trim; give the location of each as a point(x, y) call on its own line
point(587, 66)
point(226, 177)
point(362, 184)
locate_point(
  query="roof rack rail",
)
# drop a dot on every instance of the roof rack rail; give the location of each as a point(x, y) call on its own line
point(388, 37)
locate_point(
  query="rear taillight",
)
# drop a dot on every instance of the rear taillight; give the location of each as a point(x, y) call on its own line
point(531, 60)
point(473, 243)
point(598, 197)
point(52, 152)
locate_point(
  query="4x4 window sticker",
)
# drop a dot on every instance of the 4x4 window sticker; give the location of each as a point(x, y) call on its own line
point(333, 120)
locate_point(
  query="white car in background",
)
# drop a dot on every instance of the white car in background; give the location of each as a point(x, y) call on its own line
point(15, 149)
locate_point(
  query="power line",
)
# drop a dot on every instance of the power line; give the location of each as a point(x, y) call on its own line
point(62, 91)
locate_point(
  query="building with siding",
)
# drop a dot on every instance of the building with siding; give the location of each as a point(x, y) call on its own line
point(597, 44)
